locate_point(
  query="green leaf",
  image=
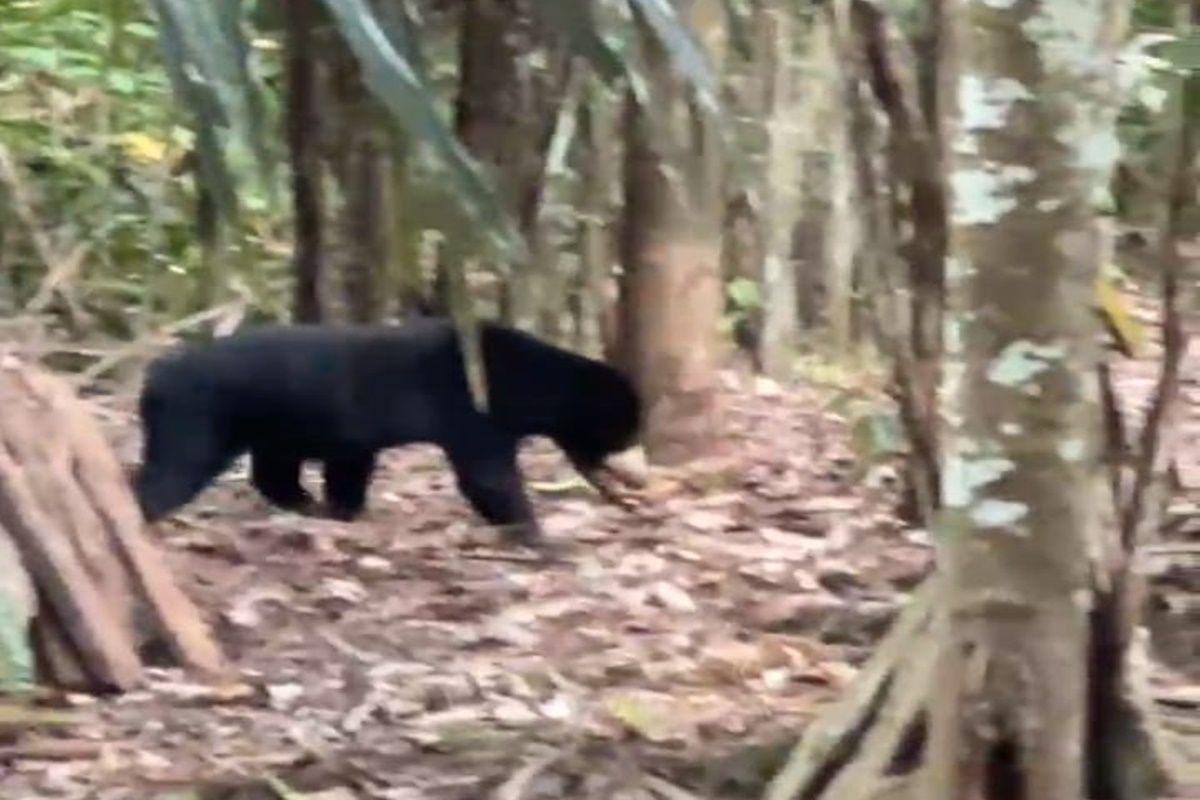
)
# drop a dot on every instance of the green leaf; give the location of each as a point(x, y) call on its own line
point(16, 659)
point(685, 52)
point(37, 57)
point(390, 76)
point(878, 434)
point(141, 30)
point(17, 606)
point(282, 790)
point(1182, 53)
point(744, 293)
point(122, 81)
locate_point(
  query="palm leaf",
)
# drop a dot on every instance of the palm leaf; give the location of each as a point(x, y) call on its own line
point(686, 54)
point(391, 77)
point(214, 44)
point(206, 112)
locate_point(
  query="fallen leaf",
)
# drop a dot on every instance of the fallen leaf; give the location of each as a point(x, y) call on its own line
point(653, 716)
point(343, 590)
point(283, 696)
point(672, 597)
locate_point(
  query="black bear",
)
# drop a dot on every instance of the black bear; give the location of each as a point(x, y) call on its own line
point(340, 394)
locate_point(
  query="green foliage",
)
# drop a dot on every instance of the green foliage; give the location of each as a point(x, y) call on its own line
point(18, 605)
point(1182, 52)
point(744, 294)
point(134, 128)
point(744, 299)
point(1154, 13)
point(16, 658)
point(1149, 70)
point(876, 434)
point(390, 76)
point(87, 114)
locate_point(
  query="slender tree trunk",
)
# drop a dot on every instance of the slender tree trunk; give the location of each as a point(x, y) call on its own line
point(363, 210)
point(843, 236)
point(354, 155)
point(303, 136)
point(505, 116)
point(403, 237)
point(1022, 482)
point(599, 128)
point(780, 188)
point(820, 101)
point(670, 251)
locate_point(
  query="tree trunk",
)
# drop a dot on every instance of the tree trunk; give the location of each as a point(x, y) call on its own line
point(303, 137)
point(403, 237)
point(504, 114)
point(670, 252)
point(355, 156)
point(599, 173)
point(363, 208)
point(1022, 483)
point(843, 236)
point(780, 188)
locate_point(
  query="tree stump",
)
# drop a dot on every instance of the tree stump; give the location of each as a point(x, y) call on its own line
point(105, 601)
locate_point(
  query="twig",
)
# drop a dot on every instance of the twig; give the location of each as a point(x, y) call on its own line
point(149, 343)
point(58, 267)
point(54, 750)
point(668, 790)
point(514, 788)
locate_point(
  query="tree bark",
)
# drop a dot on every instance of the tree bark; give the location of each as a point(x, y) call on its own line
point(105, 595)
point(1022, 484)
point(780, 188)
point(303, 137)
point(504, 114)
point(670, 252)
point(843, 236)
point(599, 127)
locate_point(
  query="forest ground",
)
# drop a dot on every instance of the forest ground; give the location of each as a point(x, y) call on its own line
point(671, 653)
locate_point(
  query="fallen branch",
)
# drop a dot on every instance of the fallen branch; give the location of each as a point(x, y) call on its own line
point(831, 741)
point(104, 590)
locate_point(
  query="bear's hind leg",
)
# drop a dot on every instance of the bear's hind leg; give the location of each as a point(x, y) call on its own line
point(347, 477)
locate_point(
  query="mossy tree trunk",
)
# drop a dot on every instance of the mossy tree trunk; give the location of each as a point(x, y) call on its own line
point(1022, 485)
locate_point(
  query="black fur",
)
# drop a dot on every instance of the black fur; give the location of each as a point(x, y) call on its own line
point(341, 394)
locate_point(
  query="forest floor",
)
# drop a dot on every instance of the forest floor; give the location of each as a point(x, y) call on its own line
point(668, 654)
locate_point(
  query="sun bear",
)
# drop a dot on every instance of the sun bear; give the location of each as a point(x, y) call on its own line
point(341, 394)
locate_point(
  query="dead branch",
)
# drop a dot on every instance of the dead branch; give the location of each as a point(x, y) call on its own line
point(833, 739)
point(104, 590)
point(59, 266)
